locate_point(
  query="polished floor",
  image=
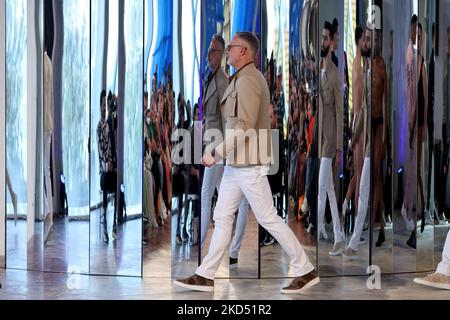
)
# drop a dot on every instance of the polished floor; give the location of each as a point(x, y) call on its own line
point(164, 260)
point(18, 284)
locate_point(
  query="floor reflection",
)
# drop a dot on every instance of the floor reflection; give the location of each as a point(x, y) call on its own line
point(118, 257)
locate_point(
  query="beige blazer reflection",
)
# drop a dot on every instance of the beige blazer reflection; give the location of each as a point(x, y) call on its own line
point(245, 111)
point(211, 102)
point(363, 124)
point(330, 112)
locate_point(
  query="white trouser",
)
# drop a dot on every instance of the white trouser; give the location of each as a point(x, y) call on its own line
point(252, 183)
point(444, 265)
point(326, 186)
point(241, 223)
point(363, 203)
point(48, 183)
point(211, 180)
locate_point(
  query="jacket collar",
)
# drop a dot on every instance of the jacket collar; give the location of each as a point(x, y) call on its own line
point(243, 69)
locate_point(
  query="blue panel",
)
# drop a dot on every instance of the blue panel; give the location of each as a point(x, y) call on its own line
point(161, 57)
point(294, 21)
point(246, 16)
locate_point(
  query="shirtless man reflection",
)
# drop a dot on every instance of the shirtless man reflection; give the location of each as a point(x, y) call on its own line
point(379, 130)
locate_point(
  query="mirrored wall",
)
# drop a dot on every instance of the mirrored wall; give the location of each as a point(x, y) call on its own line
point(185, 148)
point(23, 150)
point(116, 137)
point(441, 50)
point(290, 57)
point(159, 111)
point(2, 135)
point(65, 137)
point(405, 129)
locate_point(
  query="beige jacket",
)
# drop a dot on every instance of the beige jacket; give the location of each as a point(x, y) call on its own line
point(212, 99)
point(330, 112)
point(245, 110)
point(363, 124)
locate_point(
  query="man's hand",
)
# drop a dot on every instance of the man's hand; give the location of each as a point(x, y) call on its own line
point(208, 160)
point(352, 145)
point(110, 166)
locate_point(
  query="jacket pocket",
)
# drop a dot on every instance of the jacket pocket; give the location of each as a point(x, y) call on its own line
point(230, 106)
point(211, 106)
point(327, 96)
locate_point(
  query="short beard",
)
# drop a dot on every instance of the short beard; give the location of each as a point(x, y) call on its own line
point(324, 52)
point(367, 53)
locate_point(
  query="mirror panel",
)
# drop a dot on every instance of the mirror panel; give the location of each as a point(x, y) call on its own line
point(381, 224)
point(116, 138)
point(16, 134)
point(65, 137)
point(442, 54)
point(3, 135)
point(289, 69)
point(159, 108)
point(405, 178)
point(185, 120)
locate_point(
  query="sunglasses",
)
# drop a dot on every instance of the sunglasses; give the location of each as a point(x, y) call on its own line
point(212, 50)
point(231, 46)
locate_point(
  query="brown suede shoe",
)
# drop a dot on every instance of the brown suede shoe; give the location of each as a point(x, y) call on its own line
point(299, 284)
point(196, 283)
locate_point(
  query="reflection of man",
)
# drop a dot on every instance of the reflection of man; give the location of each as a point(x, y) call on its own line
point(215, 88)
point(411, 93)
point(445, 130)
point(362, 136)
point(330, 137)
point(358, 154)
point(380, 115)
point(48, 131)
point(433, 146)
point(107, 174)
point(245, 107)
point(275, 181)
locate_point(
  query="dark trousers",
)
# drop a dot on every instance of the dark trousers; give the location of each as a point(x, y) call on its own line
point(430, 164)
point(442, 183)
point(108, 181)
point(311, 189)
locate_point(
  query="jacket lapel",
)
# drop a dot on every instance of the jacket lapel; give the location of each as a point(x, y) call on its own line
point(229, 90)
point(212, 88)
